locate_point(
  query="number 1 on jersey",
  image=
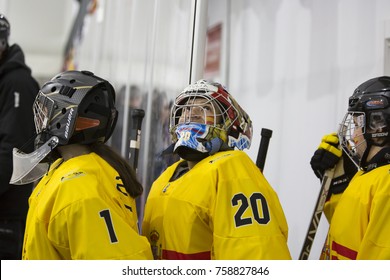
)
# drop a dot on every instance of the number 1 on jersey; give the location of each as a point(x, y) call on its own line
point(105, 214)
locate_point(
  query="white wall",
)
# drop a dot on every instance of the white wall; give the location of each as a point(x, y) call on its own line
point(291, 64)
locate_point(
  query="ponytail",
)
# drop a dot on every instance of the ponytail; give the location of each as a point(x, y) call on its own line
point(126, 172)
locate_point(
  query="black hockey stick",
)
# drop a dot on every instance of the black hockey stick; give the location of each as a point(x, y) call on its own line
point(316, 217)
point(137, 115)
point(319, 207)
point(266, 135)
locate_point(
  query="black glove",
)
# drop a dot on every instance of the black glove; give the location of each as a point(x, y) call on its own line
point(327, 155)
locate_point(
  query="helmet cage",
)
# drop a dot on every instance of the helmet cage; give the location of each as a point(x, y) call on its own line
point(43, 109)
point(195, 112)
point(230, 122)
point(353, 126)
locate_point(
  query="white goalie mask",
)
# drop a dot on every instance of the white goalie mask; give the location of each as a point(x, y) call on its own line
point(203, 113)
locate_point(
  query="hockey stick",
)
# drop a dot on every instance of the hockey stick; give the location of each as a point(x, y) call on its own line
point(137, 116)
point(315, 219)
point(266, 135)
point(319, 207)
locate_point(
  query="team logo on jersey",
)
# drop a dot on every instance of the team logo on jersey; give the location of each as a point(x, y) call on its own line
point(73, 175)
point(218, 158)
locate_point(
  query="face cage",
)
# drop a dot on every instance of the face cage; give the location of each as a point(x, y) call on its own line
point(198, 107)
point(199, 111)
point(43, 110)
point(352, 127)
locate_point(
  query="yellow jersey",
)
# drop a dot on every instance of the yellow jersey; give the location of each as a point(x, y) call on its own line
point(80, 210)
point(360, 218)
point(223, 208)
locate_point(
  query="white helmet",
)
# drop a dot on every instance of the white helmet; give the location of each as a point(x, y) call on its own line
point(195, 138)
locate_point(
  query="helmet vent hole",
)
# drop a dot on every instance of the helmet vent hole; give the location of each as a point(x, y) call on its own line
point(58, 125)
point(53, 89)
point(72, 81)
point(63, 111)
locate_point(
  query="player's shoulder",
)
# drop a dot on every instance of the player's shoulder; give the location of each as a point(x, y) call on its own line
point(91, 161)
point(89, 171)
point(227, 156)
point(80, 167)
point(378, 178)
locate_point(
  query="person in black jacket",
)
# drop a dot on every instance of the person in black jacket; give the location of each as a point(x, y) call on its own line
point(17, 94)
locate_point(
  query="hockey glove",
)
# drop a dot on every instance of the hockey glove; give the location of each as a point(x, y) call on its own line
point(327, 155)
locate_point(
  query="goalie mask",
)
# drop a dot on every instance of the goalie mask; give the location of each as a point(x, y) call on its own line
point(206, 119)
point(367, 121)
point(73, 107)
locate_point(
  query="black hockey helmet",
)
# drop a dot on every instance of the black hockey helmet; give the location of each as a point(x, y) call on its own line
point(368, 110)
point(77, 107)
point(73, 107)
